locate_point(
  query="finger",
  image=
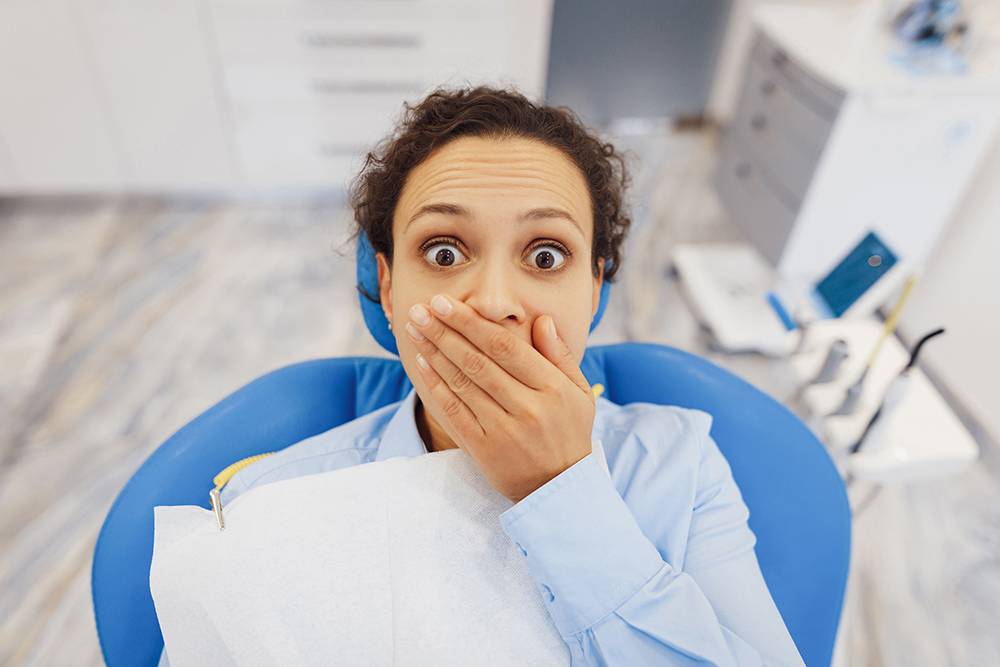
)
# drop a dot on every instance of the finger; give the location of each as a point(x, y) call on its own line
point(468, 368)
point(546, 340)
point(447, 366)
point(454, 409)
point(515, 356)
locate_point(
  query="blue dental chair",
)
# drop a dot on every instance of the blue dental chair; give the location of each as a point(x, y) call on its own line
point(798, 504)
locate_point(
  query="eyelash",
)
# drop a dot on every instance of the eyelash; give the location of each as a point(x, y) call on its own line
point(451, 240)
point(438, 240)
point(549, 244)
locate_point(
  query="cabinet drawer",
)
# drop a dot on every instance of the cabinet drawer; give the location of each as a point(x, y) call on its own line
point(382, 91)
point(747, 191)
point(309, 145)
point(822, 98)
point(783, 134)
point(359, 43)
point(765, 92)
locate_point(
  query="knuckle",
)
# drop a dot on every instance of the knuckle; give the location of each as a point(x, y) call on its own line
point(451, 407)
point(436, 331)
point(532, 415)
point(434, 354)
point(461, 382)
point(501, 344)
point(475, 363)
point(431, 358)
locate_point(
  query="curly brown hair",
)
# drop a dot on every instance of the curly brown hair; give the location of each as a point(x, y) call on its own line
point(446, 115)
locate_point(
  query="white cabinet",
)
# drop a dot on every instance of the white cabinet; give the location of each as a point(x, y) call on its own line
point(831, 141)
point(53, 115)
point(315, 145)
point(312, 85)
point(180, 95)
point(152, 61)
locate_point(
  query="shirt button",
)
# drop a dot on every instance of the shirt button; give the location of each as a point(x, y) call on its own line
point(548, 592)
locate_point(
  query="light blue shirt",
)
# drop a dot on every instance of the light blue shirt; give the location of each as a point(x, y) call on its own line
point(652, 566)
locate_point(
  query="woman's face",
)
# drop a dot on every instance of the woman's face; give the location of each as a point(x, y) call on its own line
point(504, 225)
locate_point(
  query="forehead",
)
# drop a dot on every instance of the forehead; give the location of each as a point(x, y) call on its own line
point(497, 177)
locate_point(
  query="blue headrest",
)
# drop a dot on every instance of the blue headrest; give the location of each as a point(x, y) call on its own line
point(372, 310)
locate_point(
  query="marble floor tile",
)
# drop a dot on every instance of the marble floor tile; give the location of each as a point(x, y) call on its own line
point(123, 318)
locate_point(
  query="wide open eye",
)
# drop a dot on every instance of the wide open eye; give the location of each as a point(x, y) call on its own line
point(444, 254)
point(546, 257)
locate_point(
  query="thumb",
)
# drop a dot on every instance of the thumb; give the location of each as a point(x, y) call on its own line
point(545, 339)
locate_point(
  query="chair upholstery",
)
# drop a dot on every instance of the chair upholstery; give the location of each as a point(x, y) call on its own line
point(798, 505)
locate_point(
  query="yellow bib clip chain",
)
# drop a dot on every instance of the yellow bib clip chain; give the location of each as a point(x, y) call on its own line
point(223, 477)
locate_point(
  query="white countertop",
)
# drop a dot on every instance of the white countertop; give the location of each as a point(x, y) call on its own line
point(849, 48)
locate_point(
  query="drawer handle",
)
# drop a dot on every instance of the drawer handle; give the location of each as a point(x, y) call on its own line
point(323, 40)
point(767, 88)
point(743, 170)
point(758, 122)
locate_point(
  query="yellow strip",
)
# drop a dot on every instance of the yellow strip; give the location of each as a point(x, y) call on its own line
point(893, 319)
point(223, 477)
point(598, 389)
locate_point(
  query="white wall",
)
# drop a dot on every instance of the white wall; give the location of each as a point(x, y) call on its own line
point(961, 292)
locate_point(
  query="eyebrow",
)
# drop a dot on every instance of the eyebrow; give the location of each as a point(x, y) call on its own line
point(534, 215)
point(444, 209)
point(537, 214)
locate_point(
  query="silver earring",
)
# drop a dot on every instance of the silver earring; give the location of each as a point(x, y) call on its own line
point(390, 326)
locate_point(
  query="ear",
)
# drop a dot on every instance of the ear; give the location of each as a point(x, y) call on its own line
point(598, 283)
point(384, 285)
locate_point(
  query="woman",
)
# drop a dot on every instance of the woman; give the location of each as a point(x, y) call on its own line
point(495, 222)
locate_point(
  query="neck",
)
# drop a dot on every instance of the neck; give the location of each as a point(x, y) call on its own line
point(435, 438)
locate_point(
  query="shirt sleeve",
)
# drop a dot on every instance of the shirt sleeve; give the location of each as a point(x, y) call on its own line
point(616, 601)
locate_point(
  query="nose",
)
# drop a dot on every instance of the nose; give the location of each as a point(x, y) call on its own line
point(493, 293)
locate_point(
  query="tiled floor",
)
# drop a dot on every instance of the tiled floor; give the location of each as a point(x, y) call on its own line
point(121, 319)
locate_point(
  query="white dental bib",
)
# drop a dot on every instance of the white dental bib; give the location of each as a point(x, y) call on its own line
point(401, 562)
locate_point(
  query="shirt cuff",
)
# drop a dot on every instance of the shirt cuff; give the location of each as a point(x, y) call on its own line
point(582, 545)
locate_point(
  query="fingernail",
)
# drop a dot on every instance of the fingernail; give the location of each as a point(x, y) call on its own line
point(412, 330)
point(420, 316)
point(552, 328)
point(422, 362)
point(441, 305)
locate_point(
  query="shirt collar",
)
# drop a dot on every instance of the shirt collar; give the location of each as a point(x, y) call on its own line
point(400, 437)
